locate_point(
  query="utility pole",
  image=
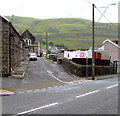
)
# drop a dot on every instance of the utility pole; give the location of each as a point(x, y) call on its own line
point(11, 20)
point(86, 66)
point(93, 58)
point(40, 48)
point(93, 27)
point(46, 44)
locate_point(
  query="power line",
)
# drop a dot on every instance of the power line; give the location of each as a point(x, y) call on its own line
point(107, 19)
point(76, 12)
point(112, 15)
point(103, 14)
point(88, 2)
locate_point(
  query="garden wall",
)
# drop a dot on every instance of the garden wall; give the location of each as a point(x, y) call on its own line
point(80, 70)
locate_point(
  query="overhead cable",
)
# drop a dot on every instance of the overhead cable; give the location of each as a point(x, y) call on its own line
point(107, 19)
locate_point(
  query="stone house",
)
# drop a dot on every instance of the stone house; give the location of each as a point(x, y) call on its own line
point(30, 40)
point(11, 47)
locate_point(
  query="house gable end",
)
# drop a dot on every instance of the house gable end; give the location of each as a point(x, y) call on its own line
point(114, 44)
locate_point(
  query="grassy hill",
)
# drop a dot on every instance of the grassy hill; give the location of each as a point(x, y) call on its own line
point(74, 33)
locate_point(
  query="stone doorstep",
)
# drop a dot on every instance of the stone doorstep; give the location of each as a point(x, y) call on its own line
point(18, 74)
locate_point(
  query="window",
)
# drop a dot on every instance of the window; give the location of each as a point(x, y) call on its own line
point(29, 42)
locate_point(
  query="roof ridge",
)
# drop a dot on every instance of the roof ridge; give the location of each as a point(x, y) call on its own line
point(111, 43)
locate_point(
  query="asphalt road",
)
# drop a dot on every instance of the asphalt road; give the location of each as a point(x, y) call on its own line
point(91, 97)
point(42, 70)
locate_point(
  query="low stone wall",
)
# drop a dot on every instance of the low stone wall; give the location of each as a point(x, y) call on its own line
point(80, 70)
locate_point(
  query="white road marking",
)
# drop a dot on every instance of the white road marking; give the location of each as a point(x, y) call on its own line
point(43, 89)
point(84, 81)
point(21, 92)
point(29, 91)
point(49, 87)
point(112, 86)
point(87, 93)
point(55, 86)
point(38, 90)
point(32, 110)
point(50, 73)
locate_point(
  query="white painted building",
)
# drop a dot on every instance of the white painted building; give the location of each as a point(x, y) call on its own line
point(101, 54)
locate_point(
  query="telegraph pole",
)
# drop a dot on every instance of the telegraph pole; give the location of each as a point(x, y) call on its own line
point(93, 58)
point(40, 47)
point(46, 44)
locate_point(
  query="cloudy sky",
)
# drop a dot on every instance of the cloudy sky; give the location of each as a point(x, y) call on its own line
point(46, 9)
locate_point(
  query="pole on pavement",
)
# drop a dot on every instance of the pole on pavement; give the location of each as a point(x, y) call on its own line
point(46, 44)
point(87, 67)
point(40, 49)
point(93, 59)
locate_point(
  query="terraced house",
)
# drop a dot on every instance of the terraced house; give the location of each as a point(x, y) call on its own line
point(12, 48)
point(30, 40)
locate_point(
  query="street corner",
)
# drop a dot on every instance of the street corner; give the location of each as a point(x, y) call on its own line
point(5, 92)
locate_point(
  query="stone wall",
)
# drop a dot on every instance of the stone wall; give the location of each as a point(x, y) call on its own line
point(80, 70)
point(15, 48)
point(5, 48)
point(0, 47)
point(24, 52)
point(12, 50)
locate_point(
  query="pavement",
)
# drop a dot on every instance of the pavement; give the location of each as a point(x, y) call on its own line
point(19, 72)
point(12, 85)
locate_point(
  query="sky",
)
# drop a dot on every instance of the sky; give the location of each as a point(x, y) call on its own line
point(48, 9)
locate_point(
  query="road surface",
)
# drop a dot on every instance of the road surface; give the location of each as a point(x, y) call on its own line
point(90, 97)
point(43, 69)
point(39, 72)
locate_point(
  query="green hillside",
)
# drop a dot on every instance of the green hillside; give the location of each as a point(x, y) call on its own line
point(73, 33)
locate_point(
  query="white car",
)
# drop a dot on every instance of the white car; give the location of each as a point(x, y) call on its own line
point(33, 56)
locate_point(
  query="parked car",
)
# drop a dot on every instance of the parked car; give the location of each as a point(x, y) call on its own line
point(33, 56)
